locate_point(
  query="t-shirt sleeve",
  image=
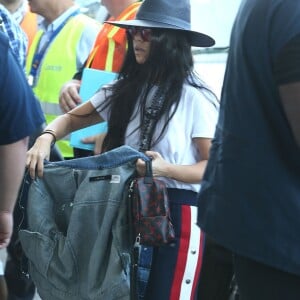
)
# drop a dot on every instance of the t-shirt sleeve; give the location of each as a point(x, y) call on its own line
point(204, 115)
point(287, 64)
point(20, 111)
point(98, 102)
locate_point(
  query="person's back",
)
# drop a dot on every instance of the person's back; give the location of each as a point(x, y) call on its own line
point(59, 49)
point(252, 182)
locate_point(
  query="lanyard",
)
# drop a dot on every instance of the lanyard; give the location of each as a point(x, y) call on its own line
point(39, 53)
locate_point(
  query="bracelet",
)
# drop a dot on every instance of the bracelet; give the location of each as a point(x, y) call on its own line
point(49, 131)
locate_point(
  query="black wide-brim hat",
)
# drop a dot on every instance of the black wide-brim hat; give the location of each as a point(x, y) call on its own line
point(167, 14)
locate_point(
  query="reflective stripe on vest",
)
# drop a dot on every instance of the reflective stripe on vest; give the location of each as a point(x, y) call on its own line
point(110, 55)
point(105, 56)
point(51, 108)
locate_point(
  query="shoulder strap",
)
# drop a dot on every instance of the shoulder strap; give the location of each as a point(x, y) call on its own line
point(151, 117)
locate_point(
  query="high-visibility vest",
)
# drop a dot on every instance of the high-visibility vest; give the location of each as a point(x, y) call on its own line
point(110, 46)
point(30, 25)
point(57, 67)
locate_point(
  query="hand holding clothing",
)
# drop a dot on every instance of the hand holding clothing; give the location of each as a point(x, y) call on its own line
point(37, 154)
point(159, 165)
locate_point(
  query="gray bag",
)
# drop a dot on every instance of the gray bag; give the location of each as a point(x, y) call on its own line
point(77, 240)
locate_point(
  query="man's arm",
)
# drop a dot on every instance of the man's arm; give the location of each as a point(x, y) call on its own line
point(290, 99)
point(287, 76)
point(12, 166)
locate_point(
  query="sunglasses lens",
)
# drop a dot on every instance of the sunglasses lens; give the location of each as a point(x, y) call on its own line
point(144, 32)
point(134, 31)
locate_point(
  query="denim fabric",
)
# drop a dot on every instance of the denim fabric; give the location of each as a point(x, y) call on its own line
point(77, 240)
point(21, 287)
point(143, 271)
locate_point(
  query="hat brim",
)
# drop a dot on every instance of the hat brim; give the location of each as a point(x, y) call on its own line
point(197, 39)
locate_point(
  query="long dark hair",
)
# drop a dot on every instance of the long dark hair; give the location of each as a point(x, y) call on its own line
point(169, 65)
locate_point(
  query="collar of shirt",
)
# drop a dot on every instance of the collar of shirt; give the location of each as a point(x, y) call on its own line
point(20, 12)
point(50, 28)
point(45, 26)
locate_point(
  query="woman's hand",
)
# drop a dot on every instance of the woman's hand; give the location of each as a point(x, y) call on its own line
point(192, 173)
point(97, 140)
point(159, 165)
point(37, 154)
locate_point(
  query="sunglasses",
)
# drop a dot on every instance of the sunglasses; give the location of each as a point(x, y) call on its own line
point(145, 33)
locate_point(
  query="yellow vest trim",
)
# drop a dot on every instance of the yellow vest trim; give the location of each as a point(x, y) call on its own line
point(111, 42)
point(110, 55)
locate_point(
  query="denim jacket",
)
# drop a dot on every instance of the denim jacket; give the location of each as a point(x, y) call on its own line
point(77, 241)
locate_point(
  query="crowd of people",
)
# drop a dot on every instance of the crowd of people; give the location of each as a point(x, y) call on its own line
point(231, 166)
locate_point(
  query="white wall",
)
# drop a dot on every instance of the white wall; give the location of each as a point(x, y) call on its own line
point(214, 17)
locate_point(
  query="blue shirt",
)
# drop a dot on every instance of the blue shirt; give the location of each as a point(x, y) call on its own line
point(20, 112)
point(16, 36)
point(250, 196)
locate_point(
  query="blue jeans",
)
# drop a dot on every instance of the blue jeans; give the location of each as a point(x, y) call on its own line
point(143, 271)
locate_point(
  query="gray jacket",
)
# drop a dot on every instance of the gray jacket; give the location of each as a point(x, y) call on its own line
point(77, 241)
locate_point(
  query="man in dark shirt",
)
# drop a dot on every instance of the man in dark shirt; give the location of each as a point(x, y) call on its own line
point(20, 116)
point(250, 196)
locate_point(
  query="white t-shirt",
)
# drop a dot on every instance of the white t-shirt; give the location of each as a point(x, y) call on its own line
point(195, 117)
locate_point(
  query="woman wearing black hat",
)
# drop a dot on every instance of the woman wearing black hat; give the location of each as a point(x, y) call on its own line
point(158, 70)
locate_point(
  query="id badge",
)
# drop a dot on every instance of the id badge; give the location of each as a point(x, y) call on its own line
point(30, 80)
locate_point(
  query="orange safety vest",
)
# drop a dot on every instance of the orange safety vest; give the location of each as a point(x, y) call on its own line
point(110, 45)
point(30, 26)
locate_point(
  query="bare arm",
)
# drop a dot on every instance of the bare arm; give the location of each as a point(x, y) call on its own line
point(69, 98)
point(80, 117)
point(12, 167)
point(290, 99)
point(286, 71)
point(184, 173)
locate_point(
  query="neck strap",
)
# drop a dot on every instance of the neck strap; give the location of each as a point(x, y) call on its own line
point(150, 120)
